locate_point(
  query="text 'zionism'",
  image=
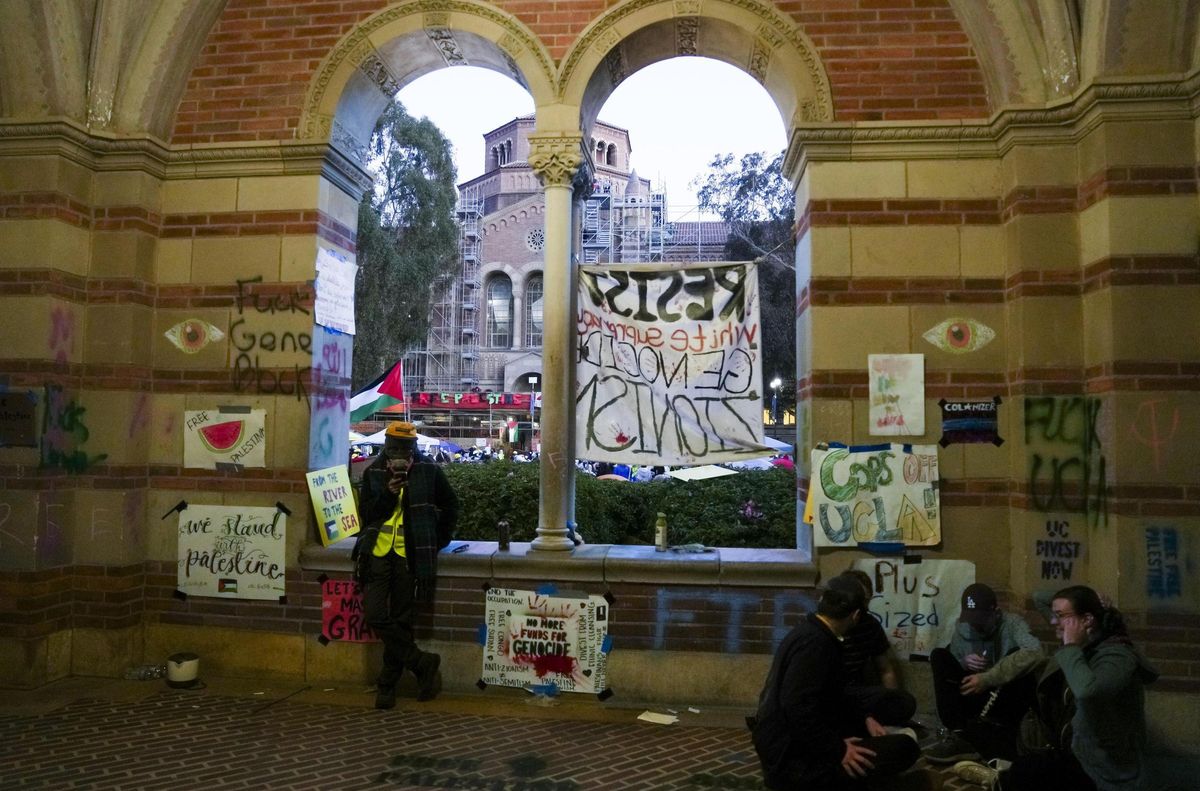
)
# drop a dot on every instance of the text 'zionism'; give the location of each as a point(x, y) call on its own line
point(668, 363)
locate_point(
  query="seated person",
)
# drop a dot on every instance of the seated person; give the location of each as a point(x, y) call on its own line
point(873, 671)
point(983, 682)
point(806, 732)
point(1104, 745)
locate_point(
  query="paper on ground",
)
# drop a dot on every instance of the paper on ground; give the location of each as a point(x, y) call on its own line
point(658, 719)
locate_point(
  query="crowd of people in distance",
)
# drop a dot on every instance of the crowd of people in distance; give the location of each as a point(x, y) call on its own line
point(831, 714)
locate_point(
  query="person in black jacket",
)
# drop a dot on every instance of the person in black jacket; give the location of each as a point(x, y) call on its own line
point(408, 512)
point(808, 734)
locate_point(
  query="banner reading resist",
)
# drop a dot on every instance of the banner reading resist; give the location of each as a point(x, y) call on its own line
point(668, 364)
point(877, 493)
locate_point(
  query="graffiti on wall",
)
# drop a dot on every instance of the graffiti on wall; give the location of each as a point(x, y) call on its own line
point(1067, 466)
point(1057, 551)
point(681, 606)
point(65, 434)
point(1154, 428)
point(260, 350)
point(62, 334)
point(329, 425)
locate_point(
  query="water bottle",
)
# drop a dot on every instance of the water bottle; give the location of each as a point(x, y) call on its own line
point(660, 533)
point(502, 531)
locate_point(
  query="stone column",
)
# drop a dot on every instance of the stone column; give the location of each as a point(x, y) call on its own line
point(555, 158)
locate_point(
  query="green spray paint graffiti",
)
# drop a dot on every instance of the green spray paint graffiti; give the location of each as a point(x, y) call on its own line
point(1067, 467)
point(64, 434)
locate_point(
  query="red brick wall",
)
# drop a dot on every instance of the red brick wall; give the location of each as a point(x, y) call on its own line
point(886, 59)
point(644, 617)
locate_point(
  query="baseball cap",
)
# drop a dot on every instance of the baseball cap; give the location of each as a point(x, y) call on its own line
point(978, 604)
point(850, 589)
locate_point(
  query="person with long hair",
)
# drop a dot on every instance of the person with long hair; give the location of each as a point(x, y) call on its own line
point(1105, 678)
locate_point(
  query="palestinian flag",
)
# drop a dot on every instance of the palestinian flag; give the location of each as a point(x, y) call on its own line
point(386, 391)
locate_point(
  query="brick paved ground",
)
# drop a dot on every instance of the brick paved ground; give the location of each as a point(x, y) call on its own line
point(144, 736)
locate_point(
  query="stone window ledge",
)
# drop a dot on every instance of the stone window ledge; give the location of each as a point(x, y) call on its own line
point(607, 563)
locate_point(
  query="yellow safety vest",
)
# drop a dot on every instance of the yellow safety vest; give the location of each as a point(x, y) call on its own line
point(391, 534)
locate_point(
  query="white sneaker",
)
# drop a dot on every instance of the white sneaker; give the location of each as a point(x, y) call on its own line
point(909, 732)
point(977, 773)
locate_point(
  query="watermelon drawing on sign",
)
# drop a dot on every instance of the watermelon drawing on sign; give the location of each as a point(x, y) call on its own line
point(222, 437)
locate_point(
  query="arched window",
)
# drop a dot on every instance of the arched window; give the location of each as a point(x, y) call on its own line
point(499, 312)
point(612, 154)
point(508, 151)
point(533, 312)
point(600, 147)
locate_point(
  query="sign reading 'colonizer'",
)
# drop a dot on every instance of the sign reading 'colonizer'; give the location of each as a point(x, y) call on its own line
point(668, 364)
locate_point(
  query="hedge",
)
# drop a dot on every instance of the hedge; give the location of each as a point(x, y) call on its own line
point(754, 508)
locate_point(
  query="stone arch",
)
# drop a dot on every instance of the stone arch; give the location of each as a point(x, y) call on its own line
point(749, 34)
point(395, 46)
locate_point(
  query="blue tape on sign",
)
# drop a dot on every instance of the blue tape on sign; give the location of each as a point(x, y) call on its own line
point(606, 644)
point(906, 447)
point(868, 448)
point(882, 547)
point(548, 589)
point(481, 634)
point(549, 690)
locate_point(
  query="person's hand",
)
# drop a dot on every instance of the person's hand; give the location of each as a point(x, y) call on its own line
point(874, 728)
point(1073, 630)
point(973, 684)
point(857, 759)
point(976, 662)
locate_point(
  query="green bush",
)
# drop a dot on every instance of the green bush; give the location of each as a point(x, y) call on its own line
point(755, 508)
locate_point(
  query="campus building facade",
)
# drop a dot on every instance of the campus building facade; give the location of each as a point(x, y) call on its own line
point(168, 177)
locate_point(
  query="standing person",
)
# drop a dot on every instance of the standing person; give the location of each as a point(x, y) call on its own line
point(408, 513)
point(1105, 675)
point(983, 682)
point(872, 670)
point(806, 732)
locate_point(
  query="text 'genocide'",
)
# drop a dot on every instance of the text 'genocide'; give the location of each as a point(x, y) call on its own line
point(667, 361)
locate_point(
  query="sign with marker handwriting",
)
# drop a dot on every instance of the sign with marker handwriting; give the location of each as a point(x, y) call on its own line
point(917, 604)
point(343, 614)
point(333, 504)
point(232, 551)
point(215, 438)
point(876, 494)
point(534, 639)
point(669, 364)
point(897, 391)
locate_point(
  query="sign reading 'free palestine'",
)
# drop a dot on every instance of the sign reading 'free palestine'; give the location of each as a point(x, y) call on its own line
point(668, 364)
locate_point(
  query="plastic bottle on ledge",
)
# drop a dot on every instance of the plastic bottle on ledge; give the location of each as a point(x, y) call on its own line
point(145, 672)
point(660, 533)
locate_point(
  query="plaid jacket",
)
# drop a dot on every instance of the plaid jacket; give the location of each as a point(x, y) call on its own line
point(430, 513)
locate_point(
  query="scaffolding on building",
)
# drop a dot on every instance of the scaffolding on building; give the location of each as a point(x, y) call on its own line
point(626, 229)
point(448, 359)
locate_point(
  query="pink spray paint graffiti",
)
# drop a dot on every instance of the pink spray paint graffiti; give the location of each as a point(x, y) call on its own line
point(62, 334)
point(1149, 433)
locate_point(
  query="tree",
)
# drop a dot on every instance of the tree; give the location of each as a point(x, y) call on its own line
point(758, 204)
point(407, 240)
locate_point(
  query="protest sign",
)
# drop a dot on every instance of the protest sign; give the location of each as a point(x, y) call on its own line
point(668, 364)
point(333, 503)
point(334, 306)
point(970, 421)
point(897, 390)
point(232, 551)
point(536, 639)
point(876, 493)
point(215, 438)
point(917, 604)
point(343, 616)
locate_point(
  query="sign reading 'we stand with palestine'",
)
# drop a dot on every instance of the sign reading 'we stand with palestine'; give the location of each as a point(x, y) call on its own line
point(668, 364)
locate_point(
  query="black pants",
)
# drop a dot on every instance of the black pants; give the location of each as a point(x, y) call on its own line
point(996, 735)
point(887, 706)
point(1056, 770)
point(390, 611)
point(893, 754)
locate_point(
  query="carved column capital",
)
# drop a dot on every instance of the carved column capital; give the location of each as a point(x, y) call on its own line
point(555, 157)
